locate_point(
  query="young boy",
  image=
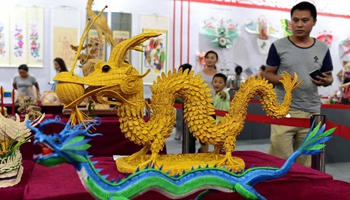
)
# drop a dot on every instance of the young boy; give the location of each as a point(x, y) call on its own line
point(222, 97)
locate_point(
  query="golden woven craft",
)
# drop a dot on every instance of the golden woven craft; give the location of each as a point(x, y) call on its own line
point(11, 170)
point(120, 80)
point(179, 162)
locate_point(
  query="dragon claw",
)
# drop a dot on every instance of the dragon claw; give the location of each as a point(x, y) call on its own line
point(151, 163)
point(228, 162)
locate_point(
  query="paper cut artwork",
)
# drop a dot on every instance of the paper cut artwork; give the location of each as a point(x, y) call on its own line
point(34, 40)
point(35, 36)
point(19, 42)
point(263, 30)
point(3, 44)
point(326, 37)
point(287, 27)
point(63, 37)
point(5, 36)
point(155, 54)
point(222, 31)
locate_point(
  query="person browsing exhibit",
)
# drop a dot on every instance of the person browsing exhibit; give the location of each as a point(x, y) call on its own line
point(301, 54)
point(59, 66)
point(24, 82)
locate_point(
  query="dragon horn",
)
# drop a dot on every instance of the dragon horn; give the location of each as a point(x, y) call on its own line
point(119, 51)
point(37, 120)
point(28, 124)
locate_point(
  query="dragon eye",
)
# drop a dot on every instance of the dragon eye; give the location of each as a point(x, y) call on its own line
point(106, 68)
point(57, 140)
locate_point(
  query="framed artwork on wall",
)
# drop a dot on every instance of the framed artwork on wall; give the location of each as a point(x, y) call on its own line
point(156, 51)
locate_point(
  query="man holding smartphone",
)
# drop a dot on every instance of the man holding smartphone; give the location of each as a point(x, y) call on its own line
point(302, 54)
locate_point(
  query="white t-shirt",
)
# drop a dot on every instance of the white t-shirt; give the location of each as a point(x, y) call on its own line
point(208, 79)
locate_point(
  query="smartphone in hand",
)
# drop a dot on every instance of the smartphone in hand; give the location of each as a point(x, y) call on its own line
point(315, 73)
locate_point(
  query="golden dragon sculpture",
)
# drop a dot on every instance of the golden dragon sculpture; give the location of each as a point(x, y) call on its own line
point(117, 79)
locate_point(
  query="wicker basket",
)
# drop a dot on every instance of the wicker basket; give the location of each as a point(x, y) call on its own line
point(11, 170)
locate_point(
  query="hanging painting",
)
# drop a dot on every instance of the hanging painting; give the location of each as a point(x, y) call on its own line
point(35, 24)
point(263, 30)
point(4, 36)
point(18, 36)
point(98, 45)
point(97, 39)
point(65, 24)
point(326, 37)
point(120, 36)
point(121, 25)
point(221, 31)
point(287, 27)
point(63, 37)
point(154, 56)
point(156, 51)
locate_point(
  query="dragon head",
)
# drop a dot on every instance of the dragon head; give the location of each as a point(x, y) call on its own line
point(68, 146)
point(114, 78)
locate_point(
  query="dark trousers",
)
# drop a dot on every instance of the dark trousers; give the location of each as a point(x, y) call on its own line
point(192, 141)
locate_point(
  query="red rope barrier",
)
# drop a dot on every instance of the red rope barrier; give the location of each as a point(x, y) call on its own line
point(328, 106)
point(341, 130)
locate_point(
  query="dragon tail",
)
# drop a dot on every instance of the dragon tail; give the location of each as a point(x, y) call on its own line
point(315, 139)
point(311, 145)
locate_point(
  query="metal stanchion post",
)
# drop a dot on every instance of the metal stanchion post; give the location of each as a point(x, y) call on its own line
point(185, 133)
point(318, 161)
point(147, 112)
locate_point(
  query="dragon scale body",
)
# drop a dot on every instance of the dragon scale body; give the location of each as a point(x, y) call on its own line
point(198, 110)
point(188, 183)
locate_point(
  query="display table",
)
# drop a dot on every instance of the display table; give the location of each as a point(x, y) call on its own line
point(112, 141)
point(16, 192)
point(62, 182)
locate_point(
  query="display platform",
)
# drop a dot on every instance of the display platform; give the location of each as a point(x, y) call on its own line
point(112, 142)
point(16, 192)
point(299, 183)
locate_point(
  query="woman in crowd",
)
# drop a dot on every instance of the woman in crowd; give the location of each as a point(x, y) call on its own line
point(60, 66)
point(24, 83)
point(210, 58)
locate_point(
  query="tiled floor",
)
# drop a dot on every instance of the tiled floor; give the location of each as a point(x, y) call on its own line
point(340, 171)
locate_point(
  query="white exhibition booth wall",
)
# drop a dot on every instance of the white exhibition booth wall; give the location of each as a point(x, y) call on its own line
point(243, 52)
